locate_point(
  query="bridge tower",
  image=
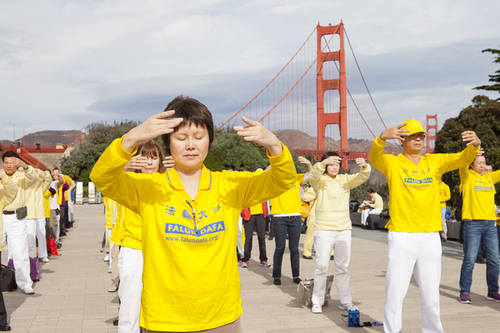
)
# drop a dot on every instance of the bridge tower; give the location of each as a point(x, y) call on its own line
point(327, 118)
point(432, 129)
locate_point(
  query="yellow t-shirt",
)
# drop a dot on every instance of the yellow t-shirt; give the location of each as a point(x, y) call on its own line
point(333, 195)
point(132, 235)
point(23, 180)
point(108, 203)
point(191, 281)
point(478, 194)
point(289, 202)
point(378, 202)
point(256, 209)
point(39, 194)
point(310, 197)
point(30, 198)
point(117, 233)
point(414, 189)
point(46, 203)
point(8, 192)
point(444, 194)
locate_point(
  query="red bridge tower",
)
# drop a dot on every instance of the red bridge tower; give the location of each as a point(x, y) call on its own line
point(339, 118)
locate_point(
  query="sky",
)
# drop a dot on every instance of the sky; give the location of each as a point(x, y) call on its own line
point(66, 64)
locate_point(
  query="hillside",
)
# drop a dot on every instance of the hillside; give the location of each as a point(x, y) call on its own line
point(47, 137)
point(309, 142)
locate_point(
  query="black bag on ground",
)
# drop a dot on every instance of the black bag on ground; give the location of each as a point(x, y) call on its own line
point(385, 214)
point(303, 228)
point(371, 224)
point(354, 205)
point(7, 278)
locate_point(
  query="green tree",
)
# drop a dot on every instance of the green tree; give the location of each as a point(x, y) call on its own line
point(231, 151)
point(100, 135)
point(483, 117)
point(493, 78)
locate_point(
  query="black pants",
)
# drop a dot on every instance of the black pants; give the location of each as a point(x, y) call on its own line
point(3, 311)
point(63, 219)
point(259, 223)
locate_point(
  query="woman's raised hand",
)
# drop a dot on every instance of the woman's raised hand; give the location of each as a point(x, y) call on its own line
point(137, 162)
point(169, 162)
point(154, 126)
point(256, 132)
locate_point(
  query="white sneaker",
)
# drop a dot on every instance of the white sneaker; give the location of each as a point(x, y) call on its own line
point(28, 291)
point(106, 257)
point(316, 309)
point(113, 288)
point(348, 307)
point(45, 259)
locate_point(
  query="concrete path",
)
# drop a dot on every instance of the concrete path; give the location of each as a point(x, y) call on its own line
point(72, 294)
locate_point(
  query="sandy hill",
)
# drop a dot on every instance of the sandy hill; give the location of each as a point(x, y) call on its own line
point(47, 137)
point(292, 139)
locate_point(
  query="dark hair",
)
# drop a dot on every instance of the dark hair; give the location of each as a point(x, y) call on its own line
point(470, 165)
point(328, 154)
point(56, 168)
point(9, 153)
point(151, 148)
point(370, 190)
point(191, 111)
point(47, 170)
point(488, 163)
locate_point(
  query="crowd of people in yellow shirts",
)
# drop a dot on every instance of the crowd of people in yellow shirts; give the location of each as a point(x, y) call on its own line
point(178, 230)
point(36, 212)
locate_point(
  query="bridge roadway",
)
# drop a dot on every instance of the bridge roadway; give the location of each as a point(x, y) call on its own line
point(72, 294)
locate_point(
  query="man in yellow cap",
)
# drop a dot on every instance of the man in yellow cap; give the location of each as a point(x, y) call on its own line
point(414, 240)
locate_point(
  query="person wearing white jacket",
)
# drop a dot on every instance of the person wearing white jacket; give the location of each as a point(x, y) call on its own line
point(332, 230)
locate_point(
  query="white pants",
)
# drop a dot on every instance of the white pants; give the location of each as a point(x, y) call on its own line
point(58, 217)
point(130, 264)
point(365, 212)
point(240, 237)
point(71, 216)
point(31, 232)
point(16, 235)
point(324, 243)
point(36, 231)
point(420, 254)
point(444, 233)
point(111, 245)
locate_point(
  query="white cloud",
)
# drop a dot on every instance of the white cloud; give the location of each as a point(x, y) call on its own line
point(64, 64)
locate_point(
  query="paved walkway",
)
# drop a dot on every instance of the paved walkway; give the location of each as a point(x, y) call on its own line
point(72, 294)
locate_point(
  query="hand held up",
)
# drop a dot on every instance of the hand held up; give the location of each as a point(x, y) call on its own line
point(396, 132)
point(158, 124)
point(256, 132)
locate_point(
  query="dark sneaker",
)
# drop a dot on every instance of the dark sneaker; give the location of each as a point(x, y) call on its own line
point(277, 281)
point(307, 257)
point(465, 298)
point(493, 297)
point(297, 280)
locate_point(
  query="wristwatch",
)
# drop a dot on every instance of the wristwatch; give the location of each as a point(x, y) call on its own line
point(26, 167)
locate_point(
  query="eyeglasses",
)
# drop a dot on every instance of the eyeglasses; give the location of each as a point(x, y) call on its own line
point(193, 210)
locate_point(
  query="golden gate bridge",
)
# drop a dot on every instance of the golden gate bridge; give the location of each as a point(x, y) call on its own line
point(319, 101)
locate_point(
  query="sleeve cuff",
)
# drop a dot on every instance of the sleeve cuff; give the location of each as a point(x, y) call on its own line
point(122, 153)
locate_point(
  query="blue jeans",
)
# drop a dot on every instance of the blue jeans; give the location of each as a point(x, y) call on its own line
point(475, 232)
point(284, 225)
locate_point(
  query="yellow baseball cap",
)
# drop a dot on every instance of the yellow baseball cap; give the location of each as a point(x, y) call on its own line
point(414, 126)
